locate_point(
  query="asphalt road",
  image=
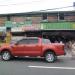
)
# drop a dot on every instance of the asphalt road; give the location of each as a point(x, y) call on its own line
point(29, 66)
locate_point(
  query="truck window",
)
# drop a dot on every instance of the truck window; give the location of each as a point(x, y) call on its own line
point(28, 41)
point(23, 41)
point(45, 41)
point(32, 41)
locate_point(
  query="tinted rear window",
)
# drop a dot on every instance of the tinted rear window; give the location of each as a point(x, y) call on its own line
point(46, 41)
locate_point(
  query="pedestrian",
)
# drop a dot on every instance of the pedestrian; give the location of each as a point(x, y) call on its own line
point(3, 36)
point(73, 49)
point(68, 46)
point(8, 37)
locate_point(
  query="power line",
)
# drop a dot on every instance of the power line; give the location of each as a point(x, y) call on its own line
point(57, 8)
point(38, 10)
point(52, 9)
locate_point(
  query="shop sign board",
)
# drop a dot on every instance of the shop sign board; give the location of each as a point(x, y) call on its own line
point(16, 29)
point(3, 29)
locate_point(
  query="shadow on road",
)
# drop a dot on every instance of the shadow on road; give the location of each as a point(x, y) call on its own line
point(38, 60)
point(28, 59)
point(23, 59)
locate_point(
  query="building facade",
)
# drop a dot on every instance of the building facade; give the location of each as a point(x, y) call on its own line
point(40, 20)
point(51, 21)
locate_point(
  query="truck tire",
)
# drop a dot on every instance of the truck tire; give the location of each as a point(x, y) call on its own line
point(50, 57)
point(5, 55)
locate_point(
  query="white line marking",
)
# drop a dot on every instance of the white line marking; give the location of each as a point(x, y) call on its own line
point(67, 68)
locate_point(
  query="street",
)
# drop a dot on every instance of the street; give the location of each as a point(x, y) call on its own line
point(43, 30)
point(35, 66)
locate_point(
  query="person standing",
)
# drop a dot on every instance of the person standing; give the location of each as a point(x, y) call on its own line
point(8, 37)
point(73, 49)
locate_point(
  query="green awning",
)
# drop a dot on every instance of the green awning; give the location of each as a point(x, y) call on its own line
point(58, 25)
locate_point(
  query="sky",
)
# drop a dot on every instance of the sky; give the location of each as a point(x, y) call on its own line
point(20, 6)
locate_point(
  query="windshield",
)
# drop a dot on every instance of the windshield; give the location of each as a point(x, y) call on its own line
point(13, 41)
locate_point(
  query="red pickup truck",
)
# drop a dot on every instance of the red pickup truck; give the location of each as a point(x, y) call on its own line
point(33, 47)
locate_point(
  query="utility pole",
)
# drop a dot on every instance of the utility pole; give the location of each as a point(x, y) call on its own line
point(74, 4)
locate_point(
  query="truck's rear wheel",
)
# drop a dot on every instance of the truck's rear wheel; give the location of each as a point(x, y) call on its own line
point(6, 55)
point(50, 57)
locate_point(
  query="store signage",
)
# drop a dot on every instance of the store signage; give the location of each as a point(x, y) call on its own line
point(16, 29)
point(25, 28)
point(2, 29)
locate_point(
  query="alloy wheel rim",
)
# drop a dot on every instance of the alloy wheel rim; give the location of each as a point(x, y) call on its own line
point(6, 56)
point(49, 57)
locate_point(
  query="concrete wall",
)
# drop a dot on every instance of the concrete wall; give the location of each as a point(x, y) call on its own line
point(69, 18)
point(17, 19)
point(52, 18)
point(36, 20)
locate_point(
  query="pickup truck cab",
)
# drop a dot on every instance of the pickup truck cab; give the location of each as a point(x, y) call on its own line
point(32, 47)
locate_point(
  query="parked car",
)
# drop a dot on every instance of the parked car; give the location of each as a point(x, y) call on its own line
point(33, 47)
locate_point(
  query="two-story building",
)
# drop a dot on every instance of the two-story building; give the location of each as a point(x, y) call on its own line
point(50, 23)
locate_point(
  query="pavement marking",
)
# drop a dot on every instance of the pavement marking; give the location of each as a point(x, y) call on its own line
point(45, 67)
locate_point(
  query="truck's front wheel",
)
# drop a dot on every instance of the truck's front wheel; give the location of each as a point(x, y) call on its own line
point(5, 55)
point(49, 57)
